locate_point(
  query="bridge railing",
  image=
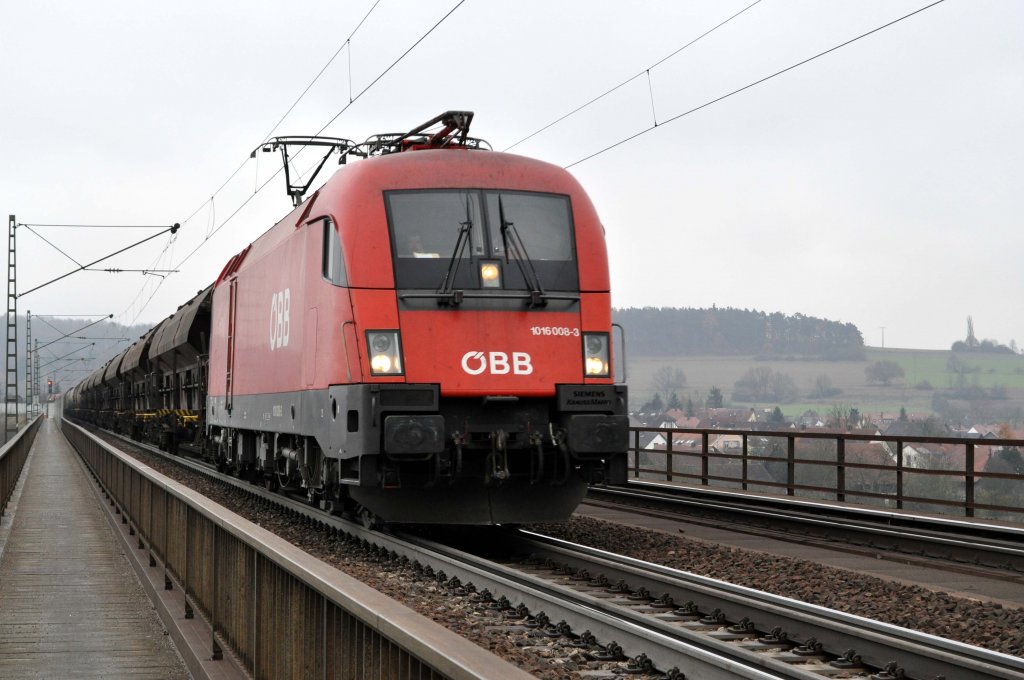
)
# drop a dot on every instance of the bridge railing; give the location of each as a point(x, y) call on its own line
point(283, 613)
point(972, 477)
point(12, 459)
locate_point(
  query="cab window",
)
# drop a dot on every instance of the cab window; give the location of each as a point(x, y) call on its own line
point(333, 264)
point(448, 234)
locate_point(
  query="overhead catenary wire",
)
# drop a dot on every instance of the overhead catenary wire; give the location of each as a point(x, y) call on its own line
point(750, 85)
point(347, 43)
point(43, 320)
point(352, 100)
point(65, 356)
point(210, 233)
point(168, 250)
point(118, 270)
point(96, 226)
point(69, 364)
point(394, 63)
point(632, 78)
point(267, 136)
point(86, 267)
point(81, 226)
point(81, 267)
point(91, 337)
point(77, 330)
point(51, 244)
point(650, 88)
point(324, 127)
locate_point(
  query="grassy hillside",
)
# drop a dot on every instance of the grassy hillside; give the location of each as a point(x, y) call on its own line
point(703, 372)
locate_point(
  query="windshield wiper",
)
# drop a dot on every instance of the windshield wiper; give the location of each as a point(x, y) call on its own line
point(512, 243)
point(447, 288)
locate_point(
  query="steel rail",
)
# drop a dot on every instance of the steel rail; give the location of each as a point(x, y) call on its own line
point(920, 654)
point(666, 645)
point(988, 544)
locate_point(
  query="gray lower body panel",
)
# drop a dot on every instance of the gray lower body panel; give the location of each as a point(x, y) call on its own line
point(407, 455)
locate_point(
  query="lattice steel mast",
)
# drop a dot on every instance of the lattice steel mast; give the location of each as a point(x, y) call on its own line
point(28, 363)
point(35, 374)
point(11, 397)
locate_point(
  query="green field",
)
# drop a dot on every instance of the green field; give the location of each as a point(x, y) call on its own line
point(703, 372)
point(988, 370)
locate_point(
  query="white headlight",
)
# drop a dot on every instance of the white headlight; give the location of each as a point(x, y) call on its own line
point(385, 350)
point(596, 367)
point(596, 363)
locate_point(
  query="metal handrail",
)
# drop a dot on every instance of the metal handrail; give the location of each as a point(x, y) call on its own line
point(13, 455)
point(792, 483)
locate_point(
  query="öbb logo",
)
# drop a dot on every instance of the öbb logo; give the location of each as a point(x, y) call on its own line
point(497, 363)
point(280, 318)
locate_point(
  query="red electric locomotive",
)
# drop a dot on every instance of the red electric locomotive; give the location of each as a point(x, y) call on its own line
point(426, 338)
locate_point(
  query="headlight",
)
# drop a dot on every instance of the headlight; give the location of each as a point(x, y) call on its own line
point(595, 355)
point(381, 363)
point(490, 275)
point(385, 352)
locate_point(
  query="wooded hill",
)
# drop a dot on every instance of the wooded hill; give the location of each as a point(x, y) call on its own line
point(669, 331)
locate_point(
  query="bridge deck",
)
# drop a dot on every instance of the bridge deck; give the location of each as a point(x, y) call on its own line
point(70, 604)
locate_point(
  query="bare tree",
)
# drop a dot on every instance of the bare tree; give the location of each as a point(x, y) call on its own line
point(842, 416)
point(763, 384)
point(823, 388)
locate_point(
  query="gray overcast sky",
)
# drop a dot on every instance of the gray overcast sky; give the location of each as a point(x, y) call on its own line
point(879, 185)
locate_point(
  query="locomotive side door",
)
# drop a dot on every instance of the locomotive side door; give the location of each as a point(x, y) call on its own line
point(313, 246)
point(328, 307)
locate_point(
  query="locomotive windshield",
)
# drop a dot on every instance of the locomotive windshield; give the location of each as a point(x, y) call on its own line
point(441, 239)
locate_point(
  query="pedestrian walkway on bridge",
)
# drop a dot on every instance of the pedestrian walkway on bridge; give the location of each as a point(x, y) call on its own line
point(70, 604)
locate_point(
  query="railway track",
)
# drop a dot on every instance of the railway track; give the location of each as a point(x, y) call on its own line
point(569, 597)
point(781, 631)
point(986, 549)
